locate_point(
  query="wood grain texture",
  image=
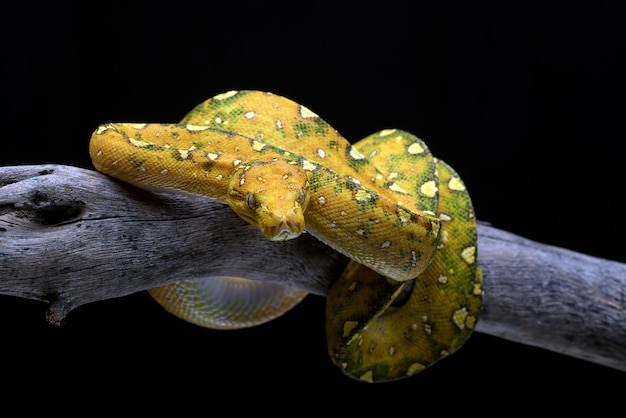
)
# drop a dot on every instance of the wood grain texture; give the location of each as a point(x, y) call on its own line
point(72, 236)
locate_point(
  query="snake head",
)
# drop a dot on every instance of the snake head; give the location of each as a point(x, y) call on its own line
point(272, 195)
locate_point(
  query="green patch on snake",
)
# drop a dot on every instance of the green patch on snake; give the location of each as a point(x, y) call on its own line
point(334, 145)
point(306, 129)
point(136, 161)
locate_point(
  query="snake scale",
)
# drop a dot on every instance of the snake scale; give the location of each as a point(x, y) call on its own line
point(412, 291)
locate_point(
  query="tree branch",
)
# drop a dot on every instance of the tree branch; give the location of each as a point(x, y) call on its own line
point(72, 236)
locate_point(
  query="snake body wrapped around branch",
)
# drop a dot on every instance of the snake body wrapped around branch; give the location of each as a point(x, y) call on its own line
point(412, 291)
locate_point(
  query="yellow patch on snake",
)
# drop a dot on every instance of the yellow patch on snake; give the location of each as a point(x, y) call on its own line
point(348, 326)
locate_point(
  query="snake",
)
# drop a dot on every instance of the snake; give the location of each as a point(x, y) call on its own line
point(411, 292)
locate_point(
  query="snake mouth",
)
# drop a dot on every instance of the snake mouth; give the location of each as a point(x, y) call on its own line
point(284, 230)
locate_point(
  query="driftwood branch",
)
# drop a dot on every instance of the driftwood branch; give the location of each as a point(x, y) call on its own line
point(72, 236)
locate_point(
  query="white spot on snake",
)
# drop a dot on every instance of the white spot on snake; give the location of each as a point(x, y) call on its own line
point(140, 144)
point(212, 156)
point(392, 350)
point(456, 184)
point(367, 376)
point(356, 154)
point(321, 200)
point(184, 153)
point(429, 189)
point(164, 171)
point(138, 125)
point(321, 153)
point(445, 217)
point(250, 115)
point(197, 128)
point(386, 132)
point(414, 368)
point(459, 317)
point(470, 322)
point(443, 279)
point(308, 165)
point(278, 123)
point(394, 187)
point(257, 145)
point(103, 128)
point(218, 120)
point(219, 177)
point(226, 95)
point(415, 148)
point(469, 255)
point(478, 289)
point(385, 244)
point(236, 163)
point(306, 113)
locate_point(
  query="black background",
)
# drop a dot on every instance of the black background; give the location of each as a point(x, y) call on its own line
point(524, 101)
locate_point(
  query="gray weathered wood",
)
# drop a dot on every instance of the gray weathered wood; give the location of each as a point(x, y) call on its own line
point(72, 236)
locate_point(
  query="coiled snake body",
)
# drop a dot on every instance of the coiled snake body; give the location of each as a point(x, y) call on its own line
point(412, 291)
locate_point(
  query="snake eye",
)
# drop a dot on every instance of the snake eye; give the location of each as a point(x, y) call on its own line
point(302, 197)
point(251, 201)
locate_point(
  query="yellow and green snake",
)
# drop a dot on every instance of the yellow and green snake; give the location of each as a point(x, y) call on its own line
point(412, 291)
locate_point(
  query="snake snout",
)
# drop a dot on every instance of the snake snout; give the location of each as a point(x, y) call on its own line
point(285, 229)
